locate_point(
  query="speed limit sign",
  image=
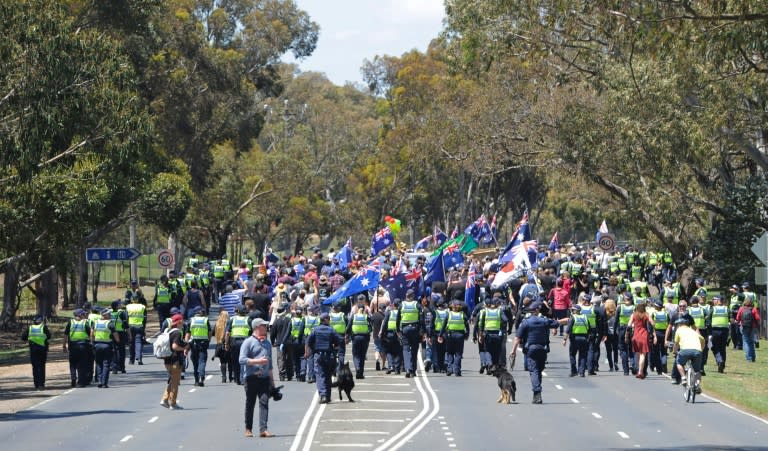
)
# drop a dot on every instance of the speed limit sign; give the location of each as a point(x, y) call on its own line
point(165, 258)
point(607, 241)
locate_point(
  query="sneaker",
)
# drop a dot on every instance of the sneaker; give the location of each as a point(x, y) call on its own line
point(537, 398)
point(248, 433)
point(721, 367)
point(675, 382)
point(165, 404)
point(175, 407)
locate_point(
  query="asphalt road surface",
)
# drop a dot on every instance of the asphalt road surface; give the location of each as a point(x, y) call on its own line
point(608, 411)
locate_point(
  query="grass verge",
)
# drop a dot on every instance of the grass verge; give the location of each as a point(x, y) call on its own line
point(742, 384)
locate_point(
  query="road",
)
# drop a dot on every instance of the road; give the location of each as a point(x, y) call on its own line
point(608, 411)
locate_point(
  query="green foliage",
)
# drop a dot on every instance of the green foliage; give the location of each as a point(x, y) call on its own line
point(165, 201)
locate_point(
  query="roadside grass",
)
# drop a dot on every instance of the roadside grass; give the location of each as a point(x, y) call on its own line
point(743, 383)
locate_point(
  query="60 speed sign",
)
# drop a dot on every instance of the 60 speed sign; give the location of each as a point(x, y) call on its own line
point(165, 258)
point(607, 241)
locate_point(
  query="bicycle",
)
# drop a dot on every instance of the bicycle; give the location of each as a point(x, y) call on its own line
point(693, 383)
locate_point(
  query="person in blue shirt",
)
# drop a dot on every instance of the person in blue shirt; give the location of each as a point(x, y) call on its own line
point(533, 335)
point(322, 343)
point(256, 357)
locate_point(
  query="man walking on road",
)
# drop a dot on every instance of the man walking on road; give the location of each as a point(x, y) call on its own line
point(256, 357)
point(533, 334)
point(137, 320)
point(321, 344)
point(173, 363)
point(199, 332)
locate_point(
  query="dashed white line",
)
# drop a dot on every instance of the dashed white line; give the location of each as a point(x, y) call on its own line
point(559, 387)
point(126, 438)
point(450, 439)
point(544, 373)
point(208, 377)
point(402, 401)
point(443, 422)
point(347, 445)
point(445, 428)
point(448, 433)
point(374, 410)
point(357, 432)
point(596, 415)
point(574, 400)
point(622, 434)
point(153, 419)
point(192, 390)
point(452, 445)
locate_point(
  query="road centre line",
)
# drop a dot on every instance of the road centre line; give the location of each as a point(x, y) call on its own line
point(209, 377)
point(574, 400)
point(596, 415)
point(126, 438)
point(153, 419)
point(304, 422)
point(192, 390)
point(559, 387)
point(622, 434)
point(313, 427)
point(357, 432)
point(374, 410)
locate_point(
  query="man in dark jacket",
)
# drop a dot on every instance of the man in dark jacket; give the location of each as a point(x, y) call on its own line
point(279, 335)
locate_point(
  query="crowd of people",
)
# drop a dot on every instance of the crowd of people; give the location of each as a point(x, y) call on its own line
point(629, 303)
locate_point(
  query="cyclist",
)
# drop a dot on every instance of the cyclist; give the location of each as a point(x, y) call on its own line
point(688, 345)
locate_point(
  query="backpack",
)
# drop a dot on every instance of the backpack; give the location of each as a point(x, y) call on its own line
point(162, 345)
point(747, 318)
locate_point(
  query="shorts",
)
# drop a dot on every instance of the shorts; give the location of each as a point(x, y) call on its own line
point(377, 345)
point(684, 355)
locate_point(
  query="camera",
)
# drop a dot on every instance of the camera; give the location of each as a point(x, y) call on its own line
point(275, 393)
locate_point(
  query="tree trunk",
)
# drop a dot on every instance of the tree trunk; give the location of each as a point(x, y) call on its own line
point(173, 248)
point(65, 294)
point(82, 279)
point(96, 280)
point(46, 291)
point(11, 291)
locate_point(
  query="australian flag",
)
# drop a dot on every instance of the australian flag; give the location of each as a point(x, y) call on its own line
point(439, 237)
point(365, 279)
point(381, 240)
point(489, 234)
point(413, 281)
point(522, 233)
point(470, 288)
point(395, 286)
point(477, 229)
point(435, 270)
point(452, 256)
point(455, 232)
point(422, 243)
point(345, 255)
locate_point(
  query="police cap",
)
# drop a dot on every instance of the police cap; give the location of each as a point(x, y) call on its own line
point(324, 316)
point(576, 307)
point(106, 311)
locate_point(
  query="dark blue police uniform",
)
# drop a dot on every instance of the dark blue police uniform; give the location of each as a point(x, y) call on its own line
point(534, 334)
point(322, 342)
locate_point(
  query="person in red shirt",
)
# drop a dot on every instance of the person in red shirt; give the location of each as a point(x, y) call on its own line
point(748, 318)
point(560, 300)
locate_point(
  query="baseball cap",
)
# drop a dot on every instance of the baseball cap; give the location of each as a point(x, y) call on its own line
point(734, 287)
point(258, 322)
point(175, 310)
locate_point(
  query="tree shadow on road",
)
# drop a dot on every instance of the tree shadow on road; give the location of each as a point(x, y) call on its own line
point(26, 415)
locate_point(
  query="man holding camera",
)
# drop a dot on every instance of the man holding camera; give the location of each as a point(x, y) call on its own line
point(256, 355)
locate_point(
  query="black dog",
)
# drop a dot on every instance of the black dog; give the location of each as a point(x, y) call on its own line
point(345, 382)
point(506, 384)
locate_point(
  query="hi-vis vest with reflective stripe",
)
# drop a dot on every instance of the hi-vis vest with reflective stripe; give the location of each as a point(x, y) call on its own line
point(135, 314)
point(455, 322)
point(337, 322)
point(720, 315)
point(310, 322)
point(673, 292)
point(441, 316)
point(198, 327)
point(36, 334)
point(697, 313)
point(580, 325)
point(297, 323)
point(660, 319)
point(77, 330)
point(589, 312)
point(625, 312)
point(410, 312)
point(492, 322)
point(360, 324)
point(218, 271)
point(239, 327)
point(392, 323)
point(101, 332)
point(163, 294)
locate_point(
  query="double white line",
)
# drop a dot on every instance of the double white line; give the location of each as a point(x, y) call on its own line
point(431, 405)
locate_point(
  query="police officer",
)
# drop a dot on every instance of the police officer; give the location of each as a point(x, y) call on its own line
point(533, 335)
point(492, 324)
point(93, 316)
point(438, 350)
point(162, 301)
point(38, 336)
point(199, 332)
point(625, 312)
point(321, 344)
point(311, 320)
point(596, 319)
point(237, 331)
point(339, 324)
point(577, 330)
point(737, 298)
point(660, 318)
point(137, 320)
point(477, 312)
point(134, 292)
point(300, 363)
point(78, 332)
point(120, 319)
point(719, 320)
point(359, 328)
point(409, 326)
point(701, 321)
point(280, 335)
point(104, 335)
point(454, 332)
point(389, 337)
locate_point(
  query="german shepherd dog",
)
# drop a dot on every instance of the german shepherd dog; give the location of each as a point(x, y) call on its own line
point(506, 384)
point(345, 381)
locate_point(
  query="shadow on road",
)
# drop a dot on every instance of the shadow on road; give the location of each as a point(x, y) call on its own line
point(701, 448)
point(27, 415)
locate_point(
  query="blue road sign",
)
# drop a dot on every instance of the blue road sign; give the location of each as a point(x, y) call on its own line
point(100, 254)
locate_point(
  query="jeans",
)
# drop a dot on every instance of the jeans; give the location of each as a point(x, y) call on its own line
point(454, 352)
point(103, 353)
point(748, 343)
point(174, 379)
point(199, 357)
point(137, 334)
point(257, 387)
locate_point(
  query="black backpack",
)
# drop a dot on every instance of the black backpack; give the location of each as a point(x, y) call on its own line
point(747, 319)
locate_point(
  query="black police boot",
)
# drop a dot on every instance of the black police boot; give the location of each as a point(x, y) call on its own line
point(721, 367)
point(482, 369)
point(428, 365)
point(537, 398)
point(378, 365)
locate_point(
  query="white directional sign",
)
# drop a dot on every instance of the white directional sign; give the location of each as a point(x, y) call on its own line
point(760, 248)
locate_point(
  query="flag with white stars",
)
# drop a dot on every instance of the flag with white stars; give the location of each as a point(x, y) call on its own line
point(366, 279)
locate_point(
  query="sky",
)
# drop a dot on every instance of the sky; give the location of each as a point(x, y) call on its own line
point(353, 30)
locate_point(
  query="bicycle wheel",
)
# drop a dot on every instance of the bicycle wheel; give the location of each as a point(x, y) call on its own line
point(689, 389)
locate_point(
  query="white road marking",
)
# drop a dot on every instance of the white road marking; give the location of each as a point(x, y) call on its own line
point(313, 427)
point(452, 445)
point(347, 445)
point(596, 415)
point(192, 390)
point(393, 392)
point(126, 438)
point(559, 387)
point(374, 410)
point(574, 400)
point(153, 419)
point(448, 433)
point(622, 434)
point(208, 377)
point(404, 401)
point(383, 385)
point(357, 432)
point(445, 428)
point(441, 417)
point(443, 422)
point(373, 420)
point(543, 373)
point(450, 439)
point(47, 400)
point(304, 421)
